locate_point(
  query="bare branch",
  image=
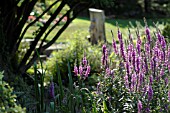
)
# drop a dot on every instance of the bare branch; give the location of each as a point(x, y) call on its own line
point(22, 22)
point(21, 10)
point(63, 28)
point(37, 38)
point(40, 49)
point(23, 33)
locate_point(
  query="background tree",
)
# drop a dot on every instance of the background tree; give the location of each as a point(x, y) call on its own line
point(147, 5)
point(14, 15)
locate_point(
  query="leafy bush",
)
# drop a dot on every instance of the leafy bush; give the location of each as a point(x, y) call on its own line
point(7, 99)
point(74, 54)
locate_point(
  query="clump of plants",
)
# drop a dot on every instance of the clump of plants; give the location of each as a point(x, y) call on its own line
point(141, 81)
point(74, 54)
point(8, 102)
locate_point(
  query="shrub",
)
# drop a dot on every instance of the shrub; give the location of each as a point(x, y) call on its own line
point(74, 54)
point(7, 99)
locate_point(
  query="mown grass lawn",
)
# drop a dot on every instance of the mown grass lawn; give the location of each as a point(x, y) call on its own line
point(81, 25)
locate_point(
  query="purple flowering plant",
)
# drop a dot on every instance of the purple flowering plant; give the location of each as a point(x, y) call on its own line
point(141, 81)
point(83, 70)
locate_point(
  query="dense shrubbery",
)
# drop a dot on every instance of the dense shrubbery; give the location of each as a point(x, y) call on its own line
point(8, 99)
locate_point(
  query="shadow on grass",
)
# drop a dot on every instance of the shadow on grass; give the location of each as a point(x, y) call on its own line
point(124, 23)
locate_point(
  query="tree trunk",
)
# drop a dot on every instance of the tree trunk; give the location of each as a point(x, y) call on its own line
point(147, 5)
point(12, 23)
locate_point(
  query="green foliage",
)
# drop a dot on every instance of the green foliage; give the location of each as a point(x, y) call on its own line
point(8, 99)
point(64, 10)
point(166, 31)
point(74, 54)
point(112, 95)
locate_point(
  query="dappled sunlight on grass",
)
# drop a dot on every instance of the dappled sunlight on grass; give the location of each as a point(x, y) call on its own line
point(82, 25)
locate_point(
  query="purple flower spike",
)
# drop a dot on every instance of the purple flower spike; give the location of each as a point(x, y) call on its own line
point(114, 46)
point(108, 71)
point(148, 35)
point(129, 52)
point(145, 90)
point(150, 93)
point(52, 95)
point(147, 110)
point(119, 36)
point(146, 64)
point(169, 95)
point(147, 47)
point(104, 49)
point(127, 67)
point(87, 71)
point(159, 37)
point(156, 51)
point(151, 79)
point(81, 70)
point(139, 106)
point(75, 70)
point(153, 64)
point(84, 61)
point(133, 81)
point(126, 81)
point(138, 46)
point(141, 79)
point(138, 64)
point(163, 42)
point(133, 58)
point(103, 59)
point(105, 55)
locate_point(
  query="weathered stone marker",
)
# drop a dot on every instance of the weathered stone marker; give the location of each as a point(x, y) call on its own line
point(97, 27)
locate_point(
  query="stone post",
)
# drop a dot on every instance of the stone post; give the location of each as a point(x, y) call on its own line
point(97, 27)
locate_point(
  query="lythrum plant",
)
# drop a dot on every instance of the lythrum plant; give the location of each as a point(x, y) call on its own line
point(140, 82)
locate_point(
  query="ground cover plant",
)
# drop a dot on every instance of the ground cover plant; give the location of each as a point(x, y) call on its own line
point(8, 102)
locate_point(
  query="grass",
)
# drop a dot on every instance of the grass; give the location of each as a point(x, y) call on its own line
point(82, 25)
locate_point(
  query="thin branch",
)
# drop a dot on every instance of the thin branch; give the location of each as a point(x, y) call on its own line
point(18, 29)
point(46, 35)
point(29, 8)
point(66, 14)
point(37, 38)
point(23, 33)
point(21, 10)
point(29, 64)
point(63, 28)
